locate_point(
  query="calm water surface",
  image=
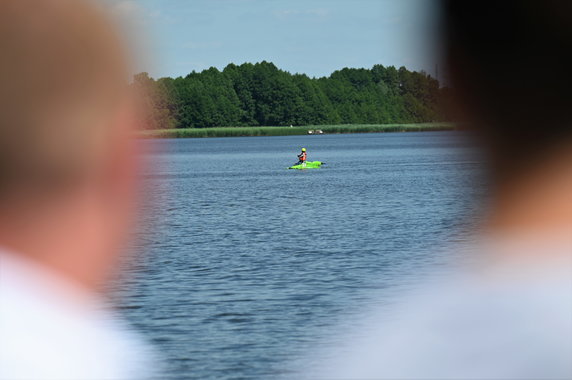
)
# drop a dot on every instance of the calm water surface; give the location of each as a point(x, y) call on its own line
point(243, 266)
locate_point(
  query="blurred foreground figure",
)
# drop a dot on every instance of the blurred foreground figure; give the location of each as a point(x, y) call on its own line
point(66, 189)
point(510, 316)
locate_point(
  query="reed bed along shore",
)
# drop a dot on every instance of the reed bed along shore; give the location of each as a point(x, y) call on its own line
point(287, 131)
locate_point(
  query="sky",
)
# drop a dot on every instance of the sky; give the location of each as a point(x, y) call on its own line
point(314, 37)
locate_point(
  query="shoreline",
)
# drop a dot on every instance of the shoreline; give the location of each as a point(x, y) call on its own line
point(295, 131)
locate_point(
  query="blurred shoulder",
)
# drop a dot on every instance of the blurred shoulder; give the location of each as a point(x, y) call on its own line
point(504, 322)
point(46, 334)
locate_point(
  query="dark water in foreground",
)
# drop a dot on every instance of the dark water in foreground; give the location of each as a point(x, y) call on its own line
point(246, 266)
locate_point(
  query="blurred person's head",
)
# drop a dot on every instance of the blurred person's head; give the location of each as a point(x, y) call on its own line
point(66, 168)
point(510, 63)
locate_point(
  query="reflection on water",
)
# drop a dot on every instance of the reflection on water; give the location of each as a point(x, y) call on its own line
point(243, 265)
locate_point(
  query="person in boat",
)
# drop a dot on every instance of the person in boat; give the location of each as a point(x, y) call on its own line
point(302, 157)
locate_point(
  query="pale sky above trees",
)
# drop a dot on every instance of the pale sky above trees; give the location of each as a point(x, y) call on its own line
point(314, 37)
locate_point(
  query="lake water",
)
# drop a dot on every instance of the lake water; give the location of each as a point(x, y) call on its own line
point(244, 267)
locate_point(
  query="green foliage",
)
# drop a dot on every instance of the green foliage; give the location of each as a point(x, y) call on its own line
point(261, 94)
point(287, 131)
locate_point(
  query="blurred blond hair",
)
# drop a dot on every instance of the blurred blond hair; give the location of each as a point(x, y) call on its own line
point(63, 78)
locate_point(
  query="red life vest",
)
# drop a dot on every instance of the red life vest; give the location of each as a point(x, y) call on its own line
point(303, 156)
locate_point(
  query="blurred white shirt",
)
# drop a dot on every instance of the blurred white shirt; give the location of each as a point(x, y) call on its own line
point(506, 320)
point(52, 329)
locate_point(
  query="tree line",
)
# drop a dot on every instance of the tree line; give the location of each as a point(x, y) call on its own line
point(260, 94)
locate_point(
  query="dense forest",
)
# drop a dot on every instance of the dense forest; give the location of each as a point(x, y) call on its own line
point(262, 95)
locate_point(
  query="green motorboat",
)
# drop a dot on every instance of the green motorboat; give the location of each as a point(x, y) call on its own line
point(308, 165)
